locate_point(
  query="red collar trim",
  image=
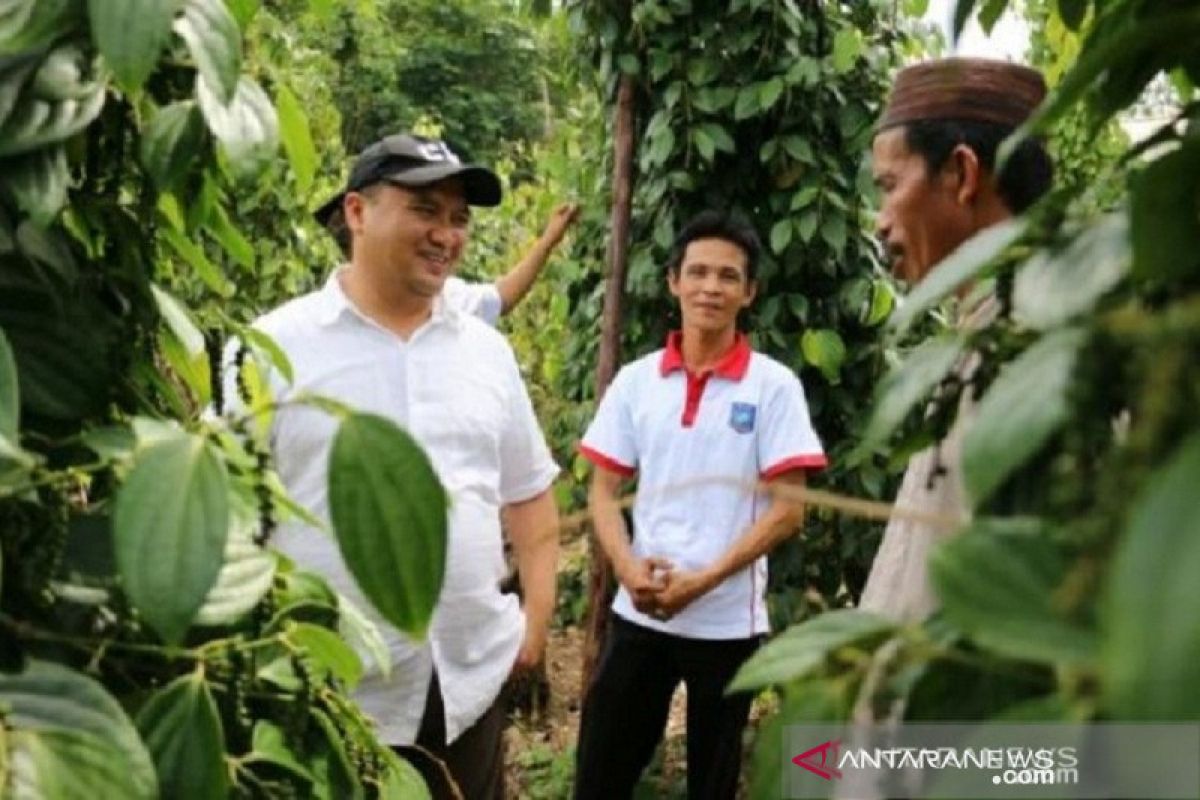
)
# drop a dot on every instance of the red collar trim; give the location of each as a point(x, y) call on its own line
point(732, 366)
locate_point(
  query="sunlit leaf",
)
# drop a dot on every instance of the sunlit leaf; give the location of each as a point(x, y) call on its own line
point(67, 737)
point(215, 42)
point(363, 635)
point(297, 139)
point(847, 47)
point(192, 368)
point(38, 120)
point(235, 245)
point(244, 10)
point(246, 127)
point(38, 182)
point(825, 350)
point(883, 300)
point(195, 258)
point(178, 320)
point(263, 344)
point(247, 573)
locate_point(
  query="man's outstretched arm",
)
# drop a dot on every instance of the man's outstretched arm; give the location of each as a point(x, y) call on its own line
point(516, 283)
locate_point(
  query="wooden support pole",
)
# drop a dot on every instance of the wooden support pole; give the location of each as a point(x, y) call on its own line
point(599, 570)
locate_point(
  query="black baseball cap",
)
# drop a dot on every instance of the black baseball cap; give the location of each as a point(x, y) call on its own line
point(408, 160)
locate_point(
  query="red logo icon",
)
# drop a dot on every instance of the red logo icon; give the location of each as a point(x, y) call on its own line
point(820, 760)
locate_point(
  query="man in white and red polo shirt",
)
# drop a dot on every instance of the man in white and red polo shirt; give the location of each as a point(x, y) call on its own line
point(699, 423)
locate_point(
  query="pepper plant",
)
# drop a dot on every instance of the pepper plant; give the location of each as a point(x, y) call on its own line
point(1071, 595)
point(153, 643)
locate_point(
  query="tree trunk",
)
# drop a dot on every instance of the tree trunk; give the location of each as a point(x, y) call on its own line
point(599, 571)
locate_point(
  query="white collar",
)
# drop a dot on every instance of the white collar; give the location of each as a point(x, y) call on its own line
point(334, 303)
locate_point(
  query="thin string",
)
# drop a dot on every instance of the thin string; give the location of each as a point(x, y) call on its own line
point(819, 498)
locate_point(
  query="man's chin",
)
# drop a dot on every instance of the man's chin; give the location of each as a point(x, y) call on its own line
point(427, 287)
point(907, 272)
point(708, 324)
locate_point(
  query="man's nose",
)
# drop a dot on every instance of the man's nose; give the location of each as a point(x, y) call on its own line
point(883, 226)
point(444, 232)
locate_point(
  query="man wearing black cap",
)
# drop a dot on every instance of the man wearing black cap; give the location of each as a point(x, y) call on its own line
point(380, 337)
point(488, 301)
point(934, 159)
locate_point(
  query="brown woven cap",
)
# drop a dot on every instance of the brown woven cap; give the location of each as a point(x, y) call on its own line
point(979, 89)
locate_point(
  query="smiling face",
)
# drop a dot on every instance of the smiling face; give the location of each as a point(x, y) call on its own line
point(712, 285)
point(923, 214)
point(412, 235)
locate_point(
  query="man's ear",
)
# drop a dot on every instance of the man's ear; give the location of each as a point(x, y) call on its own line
point(352, 209)
point(968, 174)
point(751, 292)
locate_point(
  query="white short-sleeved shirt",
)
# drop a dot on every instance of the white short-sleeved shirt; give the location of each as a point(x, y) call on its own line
point(699, 444)
point(480, 299)
point(455, 386)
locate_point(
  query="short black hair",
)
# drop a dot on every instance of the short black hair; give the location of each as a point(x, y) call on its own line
point(336, 225)
point(1026, 176)
point(722, 225)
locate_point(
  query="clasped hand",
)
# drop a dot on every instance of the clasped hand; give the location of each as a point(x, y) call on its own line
point(659, 590)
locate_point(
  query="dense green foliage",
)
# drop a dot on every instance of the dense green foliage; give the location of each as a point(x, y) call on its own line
point(1071, 596)
point(764, 108)
point(1086, 154)
point(152, 640)
point(474, 70)
point(159, 160)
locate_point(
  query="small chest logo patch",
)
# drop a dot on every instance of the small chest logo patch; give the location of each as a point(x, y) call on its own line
point(741, 417)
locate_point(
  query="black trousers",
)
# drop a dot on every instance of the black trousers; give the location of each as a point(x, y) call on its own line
point(474, 761)
point(625, 711)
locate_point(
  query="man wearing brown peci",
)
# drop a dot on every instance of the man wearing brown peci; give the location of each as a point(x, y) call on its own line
point(934, 161)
